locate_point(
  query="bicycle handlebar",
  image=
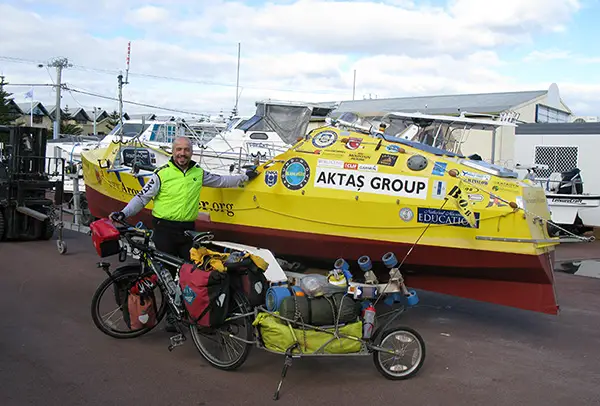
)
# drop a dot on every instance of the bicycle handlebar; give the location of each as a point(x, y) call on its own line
point(128, 230)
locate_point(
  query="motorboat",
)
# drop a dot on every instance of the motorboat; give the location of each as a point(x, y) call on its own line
point(459, 225)
point(570, 206)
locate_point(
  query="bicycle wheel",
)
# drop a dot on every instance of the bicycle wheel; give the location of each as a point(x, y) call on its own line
point(408, 355)
point(121, 281)
point(212, 343)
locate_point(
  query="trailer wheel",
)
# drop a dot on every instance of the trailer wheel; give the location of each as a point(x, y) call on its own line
point(61, 246)
point(1, 225)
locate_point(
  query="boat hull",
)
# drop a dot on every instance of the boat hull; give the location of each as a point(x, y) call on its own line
point(523, 281)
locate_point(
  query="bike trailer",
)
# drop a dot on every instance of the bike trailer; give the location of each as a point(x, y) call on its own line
point(105, 238)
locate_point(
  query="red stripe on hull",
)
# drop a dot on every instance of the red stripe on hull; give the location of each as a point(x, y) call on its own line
point(516, 280)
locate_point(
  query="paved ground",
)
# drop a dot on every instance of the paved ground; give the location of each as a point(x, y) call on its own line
point(478, 354)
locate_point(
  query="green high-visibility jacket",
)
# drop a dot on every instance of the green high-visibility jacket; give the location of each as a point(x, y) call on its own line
point(179, 195)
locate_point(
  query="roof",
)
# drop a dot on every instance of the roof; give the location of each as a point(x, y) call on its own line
point(100, 114)
point(147, 117)
point(442, 104)
point(558, 129)
point(26, 107)
point(81, 112)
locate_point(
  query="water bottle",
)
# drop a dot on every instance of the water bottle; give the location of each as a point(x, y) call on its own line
point(172, 287)
point(368, 321)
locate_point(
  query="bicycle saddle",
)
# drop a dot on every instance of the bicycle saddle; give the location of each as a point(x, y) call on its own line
point(198, 236)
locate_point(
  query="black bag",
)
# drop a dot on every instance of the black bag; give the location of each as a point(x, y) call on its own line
point(250, 280)
point(321, 311)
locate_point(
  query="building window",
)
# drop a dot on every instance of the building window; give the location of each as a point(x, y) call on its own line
point(558, 158)
point(545, 114)
point(38, 119)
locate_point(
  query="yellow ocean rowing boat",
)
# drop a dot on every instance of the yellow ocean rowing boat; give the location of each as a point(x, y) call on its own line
point(470, 228)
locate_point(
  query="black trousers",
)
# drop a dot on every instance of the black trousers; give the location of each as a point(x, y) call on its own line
point(169, 237)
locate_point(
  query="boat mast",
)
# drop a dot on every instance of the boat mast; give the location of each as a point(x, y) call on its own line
point(121, 83)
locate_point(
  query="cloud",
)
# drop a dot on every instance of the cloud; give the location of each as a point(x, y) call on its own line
point(184, 52)
point(557, 54)
point(148, 15)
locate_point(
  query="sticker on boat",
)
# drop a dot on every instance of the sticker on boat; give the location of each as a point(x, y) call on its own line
point(478, 178)
point(438, 191)
point(439, 168)
point(387, 159)
point(324, 139)
point(295, 173)
point(330, 163)
point(444, 217)
point(368, 182)
point(270, 178)
point(406, 214)
point(353, 143)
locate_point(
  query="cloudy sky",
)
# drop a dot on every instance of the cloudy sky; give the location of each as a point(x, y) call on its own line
point(184, 52)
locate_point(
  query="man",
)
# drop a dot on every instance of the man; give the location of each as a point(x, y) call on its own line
point(175, 188)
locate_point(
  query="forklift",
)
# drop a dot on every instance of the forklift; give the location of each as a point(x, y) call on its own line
point(27, 211)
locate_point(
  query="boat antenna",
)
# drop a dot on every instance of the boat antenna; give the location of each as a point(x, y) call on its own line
point(237, 84)
point(121, 83)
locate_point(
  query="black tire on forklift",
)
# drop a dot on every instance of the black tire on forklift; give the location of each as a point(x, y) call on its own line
point(47, 230)
point(86, 217)
point(2, 225)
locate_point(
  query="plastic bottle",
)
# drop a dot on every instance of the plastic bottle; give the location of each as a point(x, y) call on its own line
point(172, 287)
point(368, 321)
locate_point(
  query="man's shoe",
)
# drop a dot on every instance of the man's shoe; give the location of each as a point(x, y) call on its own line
point(170, 326)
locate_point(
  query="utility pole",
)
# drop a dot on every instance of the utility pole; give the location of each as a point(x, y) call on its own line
point(354, 85)
point(94, 121)
point(121, 83)
point(59, 64)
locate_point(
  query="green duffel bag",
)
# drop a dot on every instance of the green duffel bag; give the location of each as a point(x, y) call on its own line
point(321, 311)
point(278, 335)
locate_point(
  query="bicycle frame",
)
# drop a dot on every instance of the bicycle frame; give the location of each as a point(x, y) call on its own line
point(151, 258)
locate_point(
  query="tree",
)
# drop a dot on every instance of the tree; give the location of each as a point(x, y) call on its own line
point(7, 111)
point(113, 120)
point(66, 128)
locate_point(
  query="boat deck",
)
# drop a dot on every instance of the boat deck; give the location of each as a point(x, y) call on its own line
point(477, 353)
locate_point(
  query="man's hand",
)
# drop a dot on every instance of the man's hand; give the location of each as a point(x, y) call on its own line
point(117, 216)
point(251, 173)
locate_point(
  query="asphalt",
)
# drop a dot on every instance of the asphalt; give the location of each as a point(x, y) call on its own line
point(477, 353)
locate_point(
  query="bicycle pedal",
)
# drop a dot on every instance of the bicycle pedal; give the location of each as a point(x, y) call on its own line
point(176, 341)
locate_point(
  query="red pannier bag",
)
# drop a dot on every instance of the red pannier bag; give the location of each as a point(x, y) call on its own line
point(206, 295)
point(105, 238)
point(142, 311)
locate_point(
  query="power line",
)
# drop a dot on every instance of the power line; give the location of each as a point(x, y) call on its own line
point(136, 103)
point(176, 79)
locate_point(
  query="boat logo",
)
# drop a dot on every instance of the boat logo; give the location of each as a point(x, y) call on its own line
point(353, 143)
point(406, 214)
point(387, 159)
point(394, 149)
point(324, 139)
point(295, 173)
point(270, 178)
point(439, 168)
